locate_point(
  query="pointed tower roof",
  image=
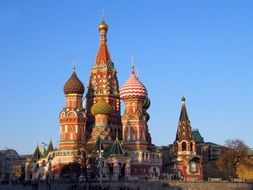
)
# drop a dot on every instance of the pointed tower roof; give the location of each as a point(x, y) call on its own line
point(50, 147)
point(184, 131)
point(183, 114)
point(103, 59)
point(37, 154)
point(116, 149)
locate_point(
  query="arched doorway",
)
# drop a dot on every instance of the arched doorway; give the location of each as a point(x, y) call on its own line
point(154, 172)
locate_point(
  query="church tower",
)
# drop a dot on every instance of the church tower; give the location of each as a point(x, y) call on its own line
point(184, 137)
point(134, 93)
point(73, 116)
point(187, 163)
point(103, 83)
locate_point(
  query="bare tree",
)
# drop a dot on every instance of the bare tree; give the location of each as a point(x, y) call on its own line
point(234, 153)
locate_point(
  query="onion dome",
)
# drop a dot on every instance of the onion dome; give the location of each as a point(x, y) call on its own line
point(74, 85)
point(133, 88)
point(101, 107)
point(102, 26)
point(146, 103)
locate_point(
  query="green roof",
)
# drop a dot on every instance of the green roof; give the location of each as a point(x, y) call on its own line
point(116, 148)
point(38, 153)
point(197, 136)
point(50, 147)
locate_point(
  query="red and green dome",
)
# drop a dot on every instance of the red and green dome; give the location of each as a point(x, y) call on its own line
point(74, 85)
point(133, 88)
point(101, 107)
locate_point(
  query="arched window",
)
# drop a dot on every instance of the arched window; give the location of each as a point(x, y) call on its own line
point(193, 166)
point(191, 146)
point(184, 146)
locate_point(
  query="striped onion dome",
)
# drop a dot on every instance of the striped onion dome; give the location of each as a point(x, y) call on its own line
point(101, 107)
point(74, 85)
point(133, 88)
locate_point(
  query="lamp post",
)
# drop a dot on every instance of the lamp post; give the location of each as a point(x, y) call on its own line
point(100, 162)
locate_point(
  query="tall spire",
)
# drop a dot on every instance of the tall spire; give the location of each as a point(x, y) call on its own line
point(183, 114)
point(184, 127)
point(103, 59)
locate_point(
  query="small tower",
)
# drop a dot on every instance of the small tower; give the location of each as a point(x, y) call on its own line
point(101, 110)
point(72, 117)
point(187, 162)
point(184, 137)
point(134, 93)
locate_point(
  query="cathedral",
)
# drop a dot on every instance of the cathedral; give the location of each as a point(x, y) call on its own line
point(107, 144)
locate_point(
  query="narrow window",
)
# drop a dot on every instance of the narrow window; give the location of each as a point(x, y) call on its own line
point(184, 146)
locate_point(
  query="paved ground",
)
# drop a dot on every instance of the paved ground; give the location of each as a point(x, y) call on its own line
point(137, 185)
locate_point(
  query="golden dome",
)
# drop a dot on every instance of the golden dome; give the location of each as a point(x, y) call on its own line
point(101, 107)
point(102, 26)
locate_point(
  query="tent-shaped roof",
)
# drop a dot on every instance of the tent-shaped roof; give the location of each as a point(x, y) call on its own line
point(116, 148)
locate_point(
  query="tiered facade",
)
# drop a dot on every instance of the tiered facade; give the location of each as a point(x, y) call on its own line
point(94, 136)
point(104, 83)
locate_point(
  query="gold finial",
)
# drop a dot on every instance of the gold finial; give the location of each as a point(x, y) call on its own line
point(103, 25)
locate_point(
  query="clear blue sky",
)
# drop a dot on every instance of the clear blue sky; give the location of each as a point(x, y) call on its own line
point(200, 49)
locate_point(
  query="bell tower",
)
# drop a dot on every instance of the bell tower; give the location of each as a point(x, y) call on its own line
point(184, 138)
point(186, 159)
